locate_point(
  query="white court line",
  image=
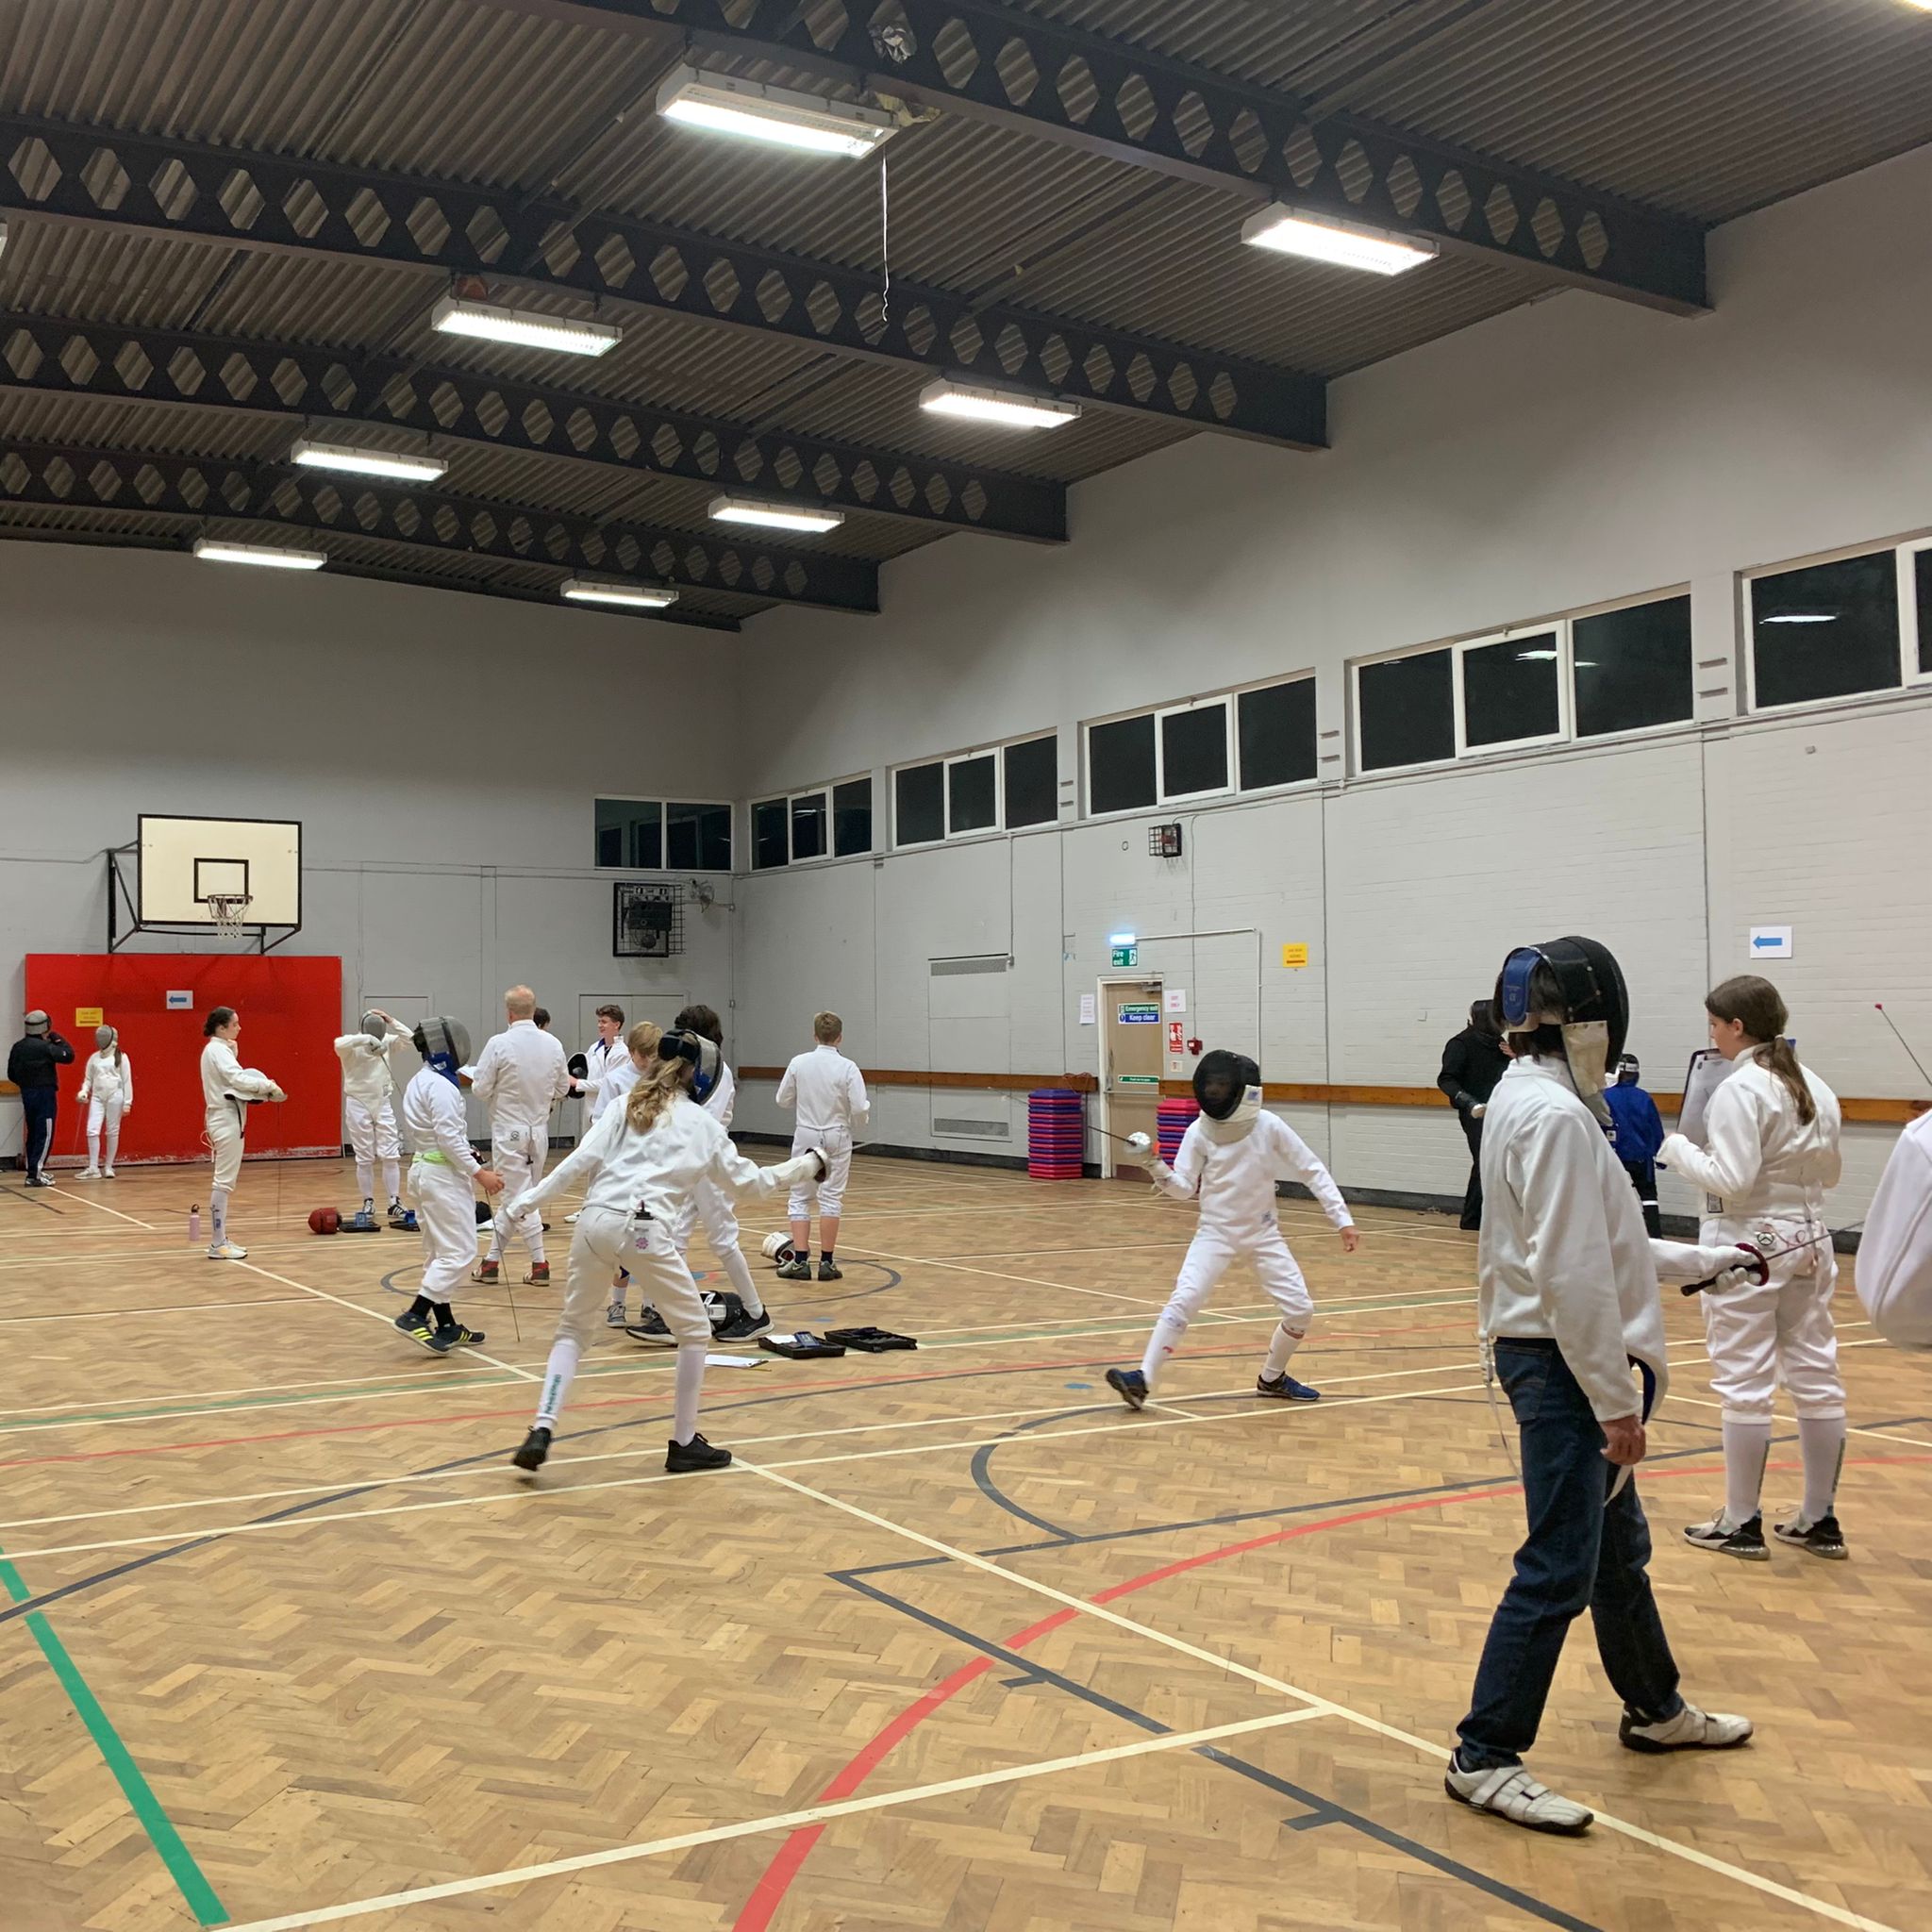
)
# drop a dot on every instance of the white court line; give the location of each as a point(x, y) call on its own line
point(375, 1315)
point(999, 1274)
point(783, 1821)
point(101, 1208)
point(1881, 1435)
point(1324, 1706)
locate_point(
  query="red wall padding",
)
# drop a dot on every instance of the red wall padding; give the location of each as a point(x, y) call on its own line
point(290, 1009)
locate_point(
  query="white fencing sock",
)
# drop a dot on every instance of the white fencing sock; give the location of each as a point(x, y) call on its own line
point(1282, 1344)
point(392, 1180)
point(738, 1272)
point(691, 1379)
point(94, 1147)
point(365, 1178)
point(533, 1233)
point(565, 1354)
point(1162, 1343)
point(1746, 1447)
point(218, 1217)
point(113, 1142)
point(1823, 1440)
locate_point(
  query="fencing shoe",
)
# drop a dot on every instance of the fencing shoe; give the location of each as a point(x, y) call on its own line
point(797, 1269)
point(535, 1452)
point(538, 1275)
point(615, 1316)
point(743, 1327)
point(485, 1272)
point(228, 1251)
point(1820, 1539)
point(417, 1327)
point(1130, 1384)
point(686, 1459)
point(1286, 1389)
point(1691, 1730)
point(649, 1326)
point(1728, 1539)
point(1508, 1792)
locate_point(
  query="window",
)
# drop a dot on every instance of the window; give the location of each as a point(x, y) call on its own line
point(852, 818)
point(919, 804)
point(697, 838)
point(1032, 781)
point(768, 834)
point(1512, 690)
point(1915, 573)
point(1276, 729)
point(1826, 630)
point(972, 794)
point(1405, 710)
point(1632, 667)
point(808, 825)
point(1193, 751)
point(1120, 764)
point(630, 835)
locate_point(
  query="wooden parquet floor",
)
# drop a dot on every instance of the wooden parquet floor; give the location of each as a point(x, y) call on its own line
point(957, 1644)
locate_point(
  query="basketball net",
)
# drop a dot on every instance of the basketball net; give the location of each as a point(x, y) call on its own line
point(227, 911)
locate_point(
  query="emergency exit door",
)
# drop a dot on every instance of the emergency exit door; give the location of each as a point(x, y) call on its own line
point(1131, 1038)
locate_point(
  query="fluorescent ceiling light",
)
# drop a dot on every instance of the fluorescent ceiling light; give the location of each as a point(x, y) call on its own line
point(1119, 939)
point(268, 555)
point(723, 104)
point(1801, 617)
point(613, 590)
point(773, 516)
point(489, 323)
point(1324, 238)
point(368, 462)
point(1013, 408)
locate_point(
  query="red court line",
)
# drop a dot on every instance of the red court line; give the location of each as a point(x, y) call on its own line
point(769, 1894)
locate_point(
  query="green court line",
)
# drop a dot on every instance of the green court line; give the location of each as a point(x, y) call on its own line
point(188, 1878)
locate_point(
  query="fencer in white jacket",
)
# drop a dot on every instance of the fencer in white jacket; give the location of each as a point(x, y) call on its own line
point(369, 1105)
point(108, 1088)
point(640, 1164)
point(1232, 1156)
point(520, 1075)
point(1893, 1272)
point(829, 1095)
point(1764, 1171)
point(226, 1088)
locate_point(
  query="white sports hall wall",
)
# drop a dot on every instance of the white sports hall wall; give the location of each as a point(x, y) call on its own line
point(443, 752)
point(1573, 451)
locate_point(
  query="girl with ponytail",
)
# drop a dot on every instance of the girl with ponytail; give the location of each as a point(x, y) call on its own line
point(1773, 1150)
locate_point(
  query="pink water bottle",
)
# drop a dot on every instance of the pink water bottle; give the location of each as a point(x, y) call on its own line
point(194, 1222)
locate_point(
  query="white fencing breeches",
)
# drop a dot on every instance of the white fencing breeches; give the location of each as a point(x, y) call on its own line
point(372, 1138)
point(103, 1116)
point(446, 1218)
point(1209, 1255)
point(225, 1140)
point(828, 1195)
point(517, 1153)
point(1782, 1332)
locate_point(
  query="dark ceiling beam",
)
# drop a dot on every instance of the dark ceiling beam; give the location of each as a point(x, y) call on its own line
point(420, 580)
point(224, 489)
point(106, 363)
point(143, 184)
point(989, 63)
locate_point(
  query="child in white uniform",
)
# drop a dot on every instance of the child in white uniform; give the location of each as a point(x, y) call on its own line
point(1233, 1154)
point(107, 1087)
point(641, 1161)
point(1772, 1133)
point(369, 1108)
point(226, 1088)
point(828, 1093)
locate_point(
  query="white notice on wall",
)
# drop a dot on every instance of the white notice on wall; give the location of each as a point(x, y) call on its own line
point(1175, 999)
point(181, 1000)
point(1087, 1000)
point(1771, 942)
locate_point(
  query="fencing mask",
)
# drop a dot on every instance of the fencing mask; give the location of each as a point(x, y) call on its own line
point(374, 1025)
point(577, 1066)
point(37, 1023)
point(444, 1044)
point(1229, 1087)
point(1628, 1070)
point(703, 1055)
point(1574, 983)
point(105, 1039)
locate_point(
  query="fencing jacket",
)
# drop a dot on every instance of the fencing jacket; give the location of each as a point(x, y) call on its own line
point(828, 1092)
point(366, 1073)
point(1236, 1181)
point(433, 1113)
point(602, 1057)
point(107, 1079)
point(722, 1097)
point(521, 1074)
point(224, 1076)
point(656, 1171)
point(1894, 1267)
point(1762, 1162)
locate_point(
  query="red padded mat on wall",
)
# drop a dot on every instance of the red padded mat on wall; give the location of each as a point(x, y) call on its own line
point(291, 1011)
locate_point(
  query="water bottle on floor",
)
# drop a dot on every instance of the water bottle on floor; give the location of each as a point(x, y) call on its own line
point(194, 1222)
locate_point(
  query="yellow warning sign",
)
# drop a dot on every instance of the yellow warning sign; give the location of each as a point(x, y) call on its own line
point(1294, 956)
point(88, 1016)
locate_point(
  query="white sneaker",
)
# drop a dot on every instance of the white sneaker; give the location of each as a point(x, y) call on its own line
point(228, 1251)
point(107, 1174)
point(1691, 1730)
point(1509, 1791)
point(614, 1316)
point(91, 1174)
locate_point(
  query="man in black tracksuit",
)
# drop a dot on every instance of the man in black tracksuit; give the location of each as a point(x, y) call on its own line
point(30, 1065)
point(1473, 1062)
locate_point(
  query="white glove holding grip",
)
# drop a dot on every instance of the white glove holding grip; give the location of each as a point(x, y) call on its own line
point(1143, 1152)
point(514, 1210)
point(1751, 1268)
point(818, 1154)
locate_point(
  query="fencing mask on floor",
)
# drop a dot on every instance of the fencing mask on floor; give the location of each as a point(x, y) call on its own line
point(1229, 1087)
point(1576, 985)
point(444, 1044)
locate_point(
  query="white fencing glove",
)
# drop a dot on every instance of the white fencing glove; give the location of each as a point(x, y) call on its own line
point(275, 1092)
point(1478, 1111)
point(1749, 1270)
point(1141, 1151)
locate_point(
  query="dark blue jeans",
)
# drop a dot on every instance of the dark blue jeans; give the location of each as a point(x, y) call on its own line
point(1580, 1553)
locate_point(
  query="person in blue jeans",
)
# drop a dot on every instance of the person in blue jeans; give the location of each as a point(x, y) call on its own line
point(1569, 1305)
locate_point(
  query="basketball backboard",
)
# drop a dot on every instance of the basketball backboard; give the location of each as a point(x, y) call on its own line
point(191, 872)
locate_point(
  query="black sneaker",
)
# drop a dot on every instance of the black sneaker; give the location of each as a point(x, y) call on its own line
point(743, 1327)
point(418, 1328)
point(457, 1335)
point(535, 1452)
point(686, 1459)
point(1130, 1384)
point(1744, 1540)
point(828, 1269)
point(39, 1180)
point(650, 1327)
point(797, 1269)
point(1822, 1539)
point(1286, 1389)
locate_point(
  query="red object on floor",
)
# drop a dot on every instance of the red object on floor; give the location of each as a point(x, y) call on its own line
point(291, 1011)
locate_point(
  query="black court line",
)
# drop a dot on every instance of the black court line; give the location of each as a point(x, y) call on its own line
point(27, 1195)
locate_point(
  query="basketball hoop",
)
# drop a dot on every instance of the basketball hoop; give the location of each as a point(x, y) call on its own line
point(227, 911)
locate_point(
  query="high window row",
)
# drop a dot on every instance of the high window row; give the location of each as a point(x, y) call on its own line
point(821, 821)
point(1000, 787)
point(1238, 740)
point(663, 835)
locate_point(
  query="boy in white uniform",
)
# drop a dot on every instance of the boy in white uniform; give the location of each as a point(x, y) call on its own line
point(107, 1088)
point(519, 1076)
point(829, 1095)
point(226, 1088)
point(369, 1109)
point(1233, 1154)
point(1894, 1270)
point(441, 1179)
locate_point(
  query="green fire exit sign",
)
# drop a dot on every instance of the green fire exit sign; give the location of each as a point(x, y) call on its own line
point(1126, 955)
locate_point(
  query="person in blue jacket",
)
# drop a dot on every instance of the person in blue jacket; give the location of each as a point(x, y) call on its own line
point(1638, 1134)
